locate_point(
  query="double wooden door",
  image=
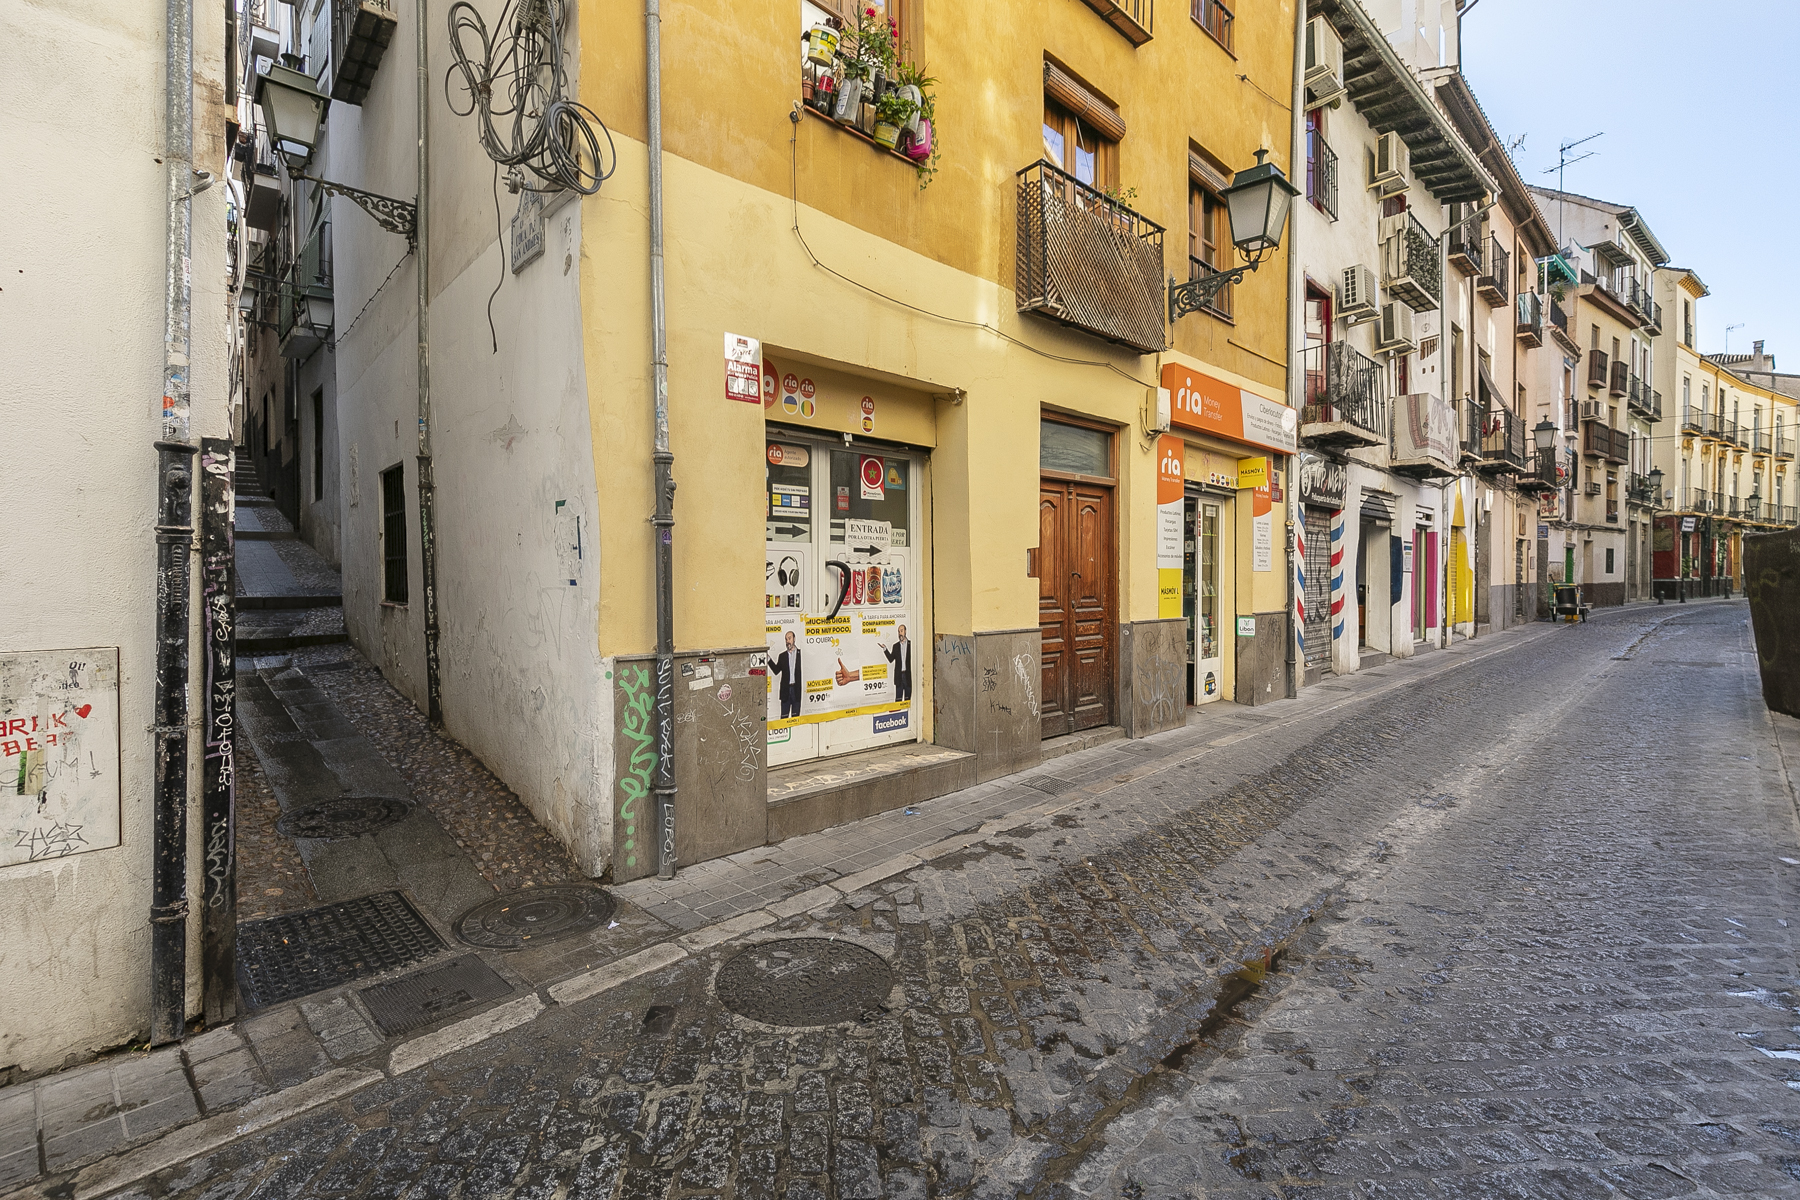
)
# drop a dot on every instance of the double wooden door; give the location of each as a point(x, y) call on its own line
point(1077, 564)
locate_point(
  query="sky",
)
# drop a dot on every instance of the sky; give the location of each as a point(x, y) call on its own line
point(1691, 99)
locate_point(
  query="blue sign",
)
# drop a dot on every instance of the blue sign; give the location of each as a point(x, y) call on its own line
point(887, 722)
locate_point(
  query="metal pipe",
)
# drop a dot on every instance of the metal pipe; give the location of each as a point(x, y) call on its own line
point(1296, 333)
point(434, 707)
point(664, 461)
point(174, 532)
point(218, 763)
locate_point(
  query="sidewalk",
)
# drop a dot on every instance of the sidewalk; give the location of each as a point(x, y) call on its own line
point(292, 1057)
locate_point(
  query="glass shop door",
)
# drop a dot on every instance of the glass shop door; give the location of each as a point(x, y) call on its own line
point(1200, 595)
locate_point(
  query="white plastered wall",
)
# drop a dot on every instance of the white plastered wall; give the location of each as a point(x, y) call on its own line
point(81, 297)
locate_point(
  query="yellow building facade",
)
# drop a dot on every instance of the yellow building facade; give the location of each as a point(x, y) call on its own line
point(858, 406)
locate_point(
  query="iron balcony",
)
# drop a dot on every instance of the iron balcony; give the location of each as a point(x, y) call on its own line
point(1492, 283)
point(1087, 261)
point(1529, 319)
point(1498, 439)
point(1621, 378)
point(1784, 447)
point(1134, 19)
point(1542, 475)
point(1409, 267)
point(1466, 247)
point(1346, 401)
point(1761, 442)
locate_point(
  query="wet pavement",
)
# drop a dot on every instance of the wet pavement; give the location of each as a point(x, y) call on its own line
point(1517, 928)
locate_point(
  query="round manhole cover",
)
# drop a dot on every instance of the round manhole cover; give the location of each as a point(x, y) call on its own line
point(534, 916)
point(798, 982)
point(345, 817)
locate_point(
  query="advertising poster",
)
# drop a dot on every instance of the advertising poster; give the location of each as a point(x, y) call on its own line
point(1169, 454)
point(1262, 529)
point(824, 668)
point(743, 369)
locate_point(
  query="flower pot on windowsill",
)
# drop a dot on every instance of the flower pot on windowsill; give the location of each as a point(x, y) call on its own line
point(887, 134)
point(918, 145)
point(866, 120)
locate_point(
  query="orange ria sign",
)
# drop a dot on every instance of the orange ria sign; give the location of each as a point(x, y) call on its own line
point(1209, 405)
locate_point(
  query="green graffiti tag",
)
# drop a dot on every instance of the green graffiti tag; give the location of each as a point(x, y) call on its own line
point(634, 682)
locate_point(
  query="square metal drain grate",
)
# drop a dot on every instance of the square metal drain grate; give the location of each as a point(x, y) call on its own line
point(432, 994)
point(297, 954)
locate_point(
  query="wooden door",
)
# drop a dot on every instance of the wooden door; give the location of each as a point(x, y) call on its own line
point(1077, 559)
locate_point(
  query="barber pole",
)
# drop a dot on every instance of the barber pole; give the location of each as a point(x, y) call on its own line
point(1337, 575)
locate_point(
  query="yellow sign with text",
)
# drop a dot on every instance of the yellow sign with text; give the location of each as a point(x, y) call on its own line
point(1253, 472)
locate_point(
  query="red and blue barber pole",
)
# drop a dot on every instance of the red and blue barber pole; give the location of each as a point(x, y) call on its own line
point(1300, 575)
point(1337, 575)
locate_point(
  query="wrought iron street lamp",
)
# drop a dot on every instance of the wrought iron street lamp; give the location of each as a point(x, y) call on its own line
point(294, 108)
point(1656, 492)
point(1257, 205)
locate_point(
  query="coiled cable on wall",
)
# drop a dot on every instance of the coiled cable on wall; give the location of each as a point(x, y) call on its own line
point(516, 87)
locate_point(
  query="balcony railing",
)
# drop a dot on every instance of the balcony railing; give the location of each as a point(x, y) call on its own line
point(1529, 318)
point(1606, 442)
point(1784, 447)
point(305, 294)
point(1134, 19)
point(1639, 491)
point(1733, 507)
point(1322, 176)
point(1558, 317)
point(1654, 411)
point(1596, 368)
point(1612, 509)
point(1693, 421)
point(1761, 442)
point(1346, 401)
point(1752, 510)
point(1541, 471)
point(1498, 439)
point(1695, 500)
point(1087, 261)
point(1410, 268)
point(1621, 376)
point(1492, 283)
point(1466, 246)
point(1424, 432)
point(1215, 18)
point(1736, 434)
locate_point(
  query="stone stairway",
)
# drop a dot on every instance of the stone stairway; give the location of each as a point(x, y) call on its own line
point(276, 611)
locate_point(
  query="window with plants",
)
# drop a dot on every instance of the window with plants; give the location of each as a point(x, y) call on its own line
point(856, 71)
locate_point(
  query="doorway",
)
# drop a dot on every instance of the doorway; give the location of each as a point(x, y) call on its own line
point(1202, 586)
point(1077, 562)
point(1318, 589)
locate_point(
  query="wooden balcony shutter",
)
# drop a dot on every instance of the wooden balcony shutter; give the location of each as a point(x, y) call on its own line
point(1086, 104)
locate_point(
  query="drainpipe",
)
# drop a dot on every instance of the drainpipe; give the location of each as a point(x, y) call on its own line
point(174, 532)
point(1296, 315)
point(664, 461)
point(434, 708)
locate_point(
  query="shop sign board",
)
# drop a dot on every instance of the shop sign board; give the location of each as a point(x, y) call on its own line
point(59, 753)
point(1169, 547)
point(743, 369)
point(868, 537)
point(1253, 472)
point(1323, 483)
point(1200, 402)
point(1246, 626)
point(1687, 524)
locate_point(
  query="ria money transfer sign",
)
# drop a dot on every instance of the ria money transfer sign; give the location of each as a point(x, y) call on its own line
point(59, 753)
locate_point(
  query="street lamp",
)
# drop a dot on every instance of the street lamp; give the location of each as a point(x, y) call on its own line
point(1754, 499)
point(1544, 434)
point(1656, 492)
point(294, 108)
point(1257, 205)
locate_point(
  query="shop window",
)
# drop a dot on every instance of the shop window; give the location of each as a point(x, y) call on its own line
point(393, 534)
point(1075, 450)
point(1609, 560)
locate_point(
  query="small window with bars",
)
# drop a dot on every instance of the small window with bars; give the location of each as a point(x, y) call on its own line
point(393, 534)
point(1215, 18)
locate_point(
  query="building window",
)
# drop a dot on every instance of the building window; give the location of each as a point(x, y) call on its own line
point(318, 464)
point(1609, 560)
point(268, 420)
point(393, 534)
point(1321, 166)
point(1215, 18)
point(1078, 147)
point(1209, 241)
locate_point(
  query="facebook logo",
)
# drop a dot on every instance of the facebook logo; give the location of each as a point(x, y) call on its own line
point(884, 722)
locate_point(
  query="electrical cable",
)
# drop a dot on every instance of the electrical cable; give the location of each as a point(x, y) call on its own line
point(794, 196)
point(518, 89)
point(499, 241)
point(338, 340)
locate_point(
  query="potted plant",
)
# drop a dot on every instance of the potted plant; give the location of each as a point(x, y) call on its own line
point(893, 111)
point(920, 134)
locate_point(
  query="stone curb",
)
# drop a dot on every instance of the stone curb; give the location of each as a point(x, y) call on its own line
point(190, 1141)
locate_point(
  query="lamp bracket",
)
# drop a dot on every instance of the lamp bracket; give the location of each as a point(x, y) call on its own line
point(1197, 294)
point(395, 216)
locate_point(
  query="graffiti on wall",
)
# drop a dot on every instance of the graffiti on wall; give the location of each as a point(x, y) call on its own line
point(59, 753)
point(635, 703)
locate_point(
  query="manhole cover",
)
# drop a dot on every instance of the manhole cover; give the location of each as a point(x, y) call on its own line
point(798, 982)
point(297, 954)
point(432, 994)
point(534, 916)
point(345, 817)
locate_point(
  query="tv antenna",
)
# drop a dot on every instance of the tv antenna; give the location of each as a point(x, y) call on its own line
point(1517, 144)
point(1563, 162)
point(1728, 330)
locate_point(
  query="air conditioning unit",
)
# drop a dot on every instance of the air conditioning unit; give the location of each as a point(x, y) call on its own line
point(1324, 63)
point(1360, 301)
point(1593, 410)
point(1395, 332)
point(1390, 165)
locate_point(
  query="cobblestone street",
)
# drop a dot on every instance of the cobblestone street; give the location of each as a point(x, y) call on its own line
point(1521, 928)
